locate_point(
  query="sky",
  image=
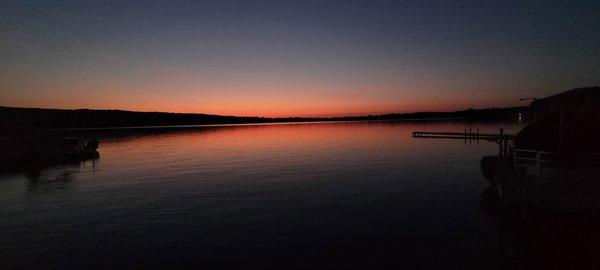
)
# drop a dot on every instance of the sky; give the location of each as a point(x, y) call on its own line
point(294, 58)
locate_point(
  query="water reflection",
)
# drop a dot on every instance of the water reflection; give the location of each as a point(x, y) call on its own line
point(51, 172)
point(58, 175)
point(540, 234)
point(297, 195)
point(355, 195)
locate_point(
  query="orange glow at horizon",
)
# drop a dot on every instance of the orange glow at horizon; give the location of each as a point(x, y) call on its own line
point(261, 108)
point(244, 98)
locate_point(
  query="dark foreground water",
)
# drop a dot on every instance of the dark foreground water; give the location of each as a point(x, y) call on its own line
point(347, 195)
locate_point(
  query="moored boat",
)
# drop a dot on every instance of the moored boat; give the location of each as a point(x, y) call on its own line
point(35, 154)
point(555, 160)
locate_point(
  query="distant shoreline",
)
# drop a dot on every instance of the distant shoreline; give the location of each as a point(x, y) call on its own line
point(85, 119)
point(271, 123)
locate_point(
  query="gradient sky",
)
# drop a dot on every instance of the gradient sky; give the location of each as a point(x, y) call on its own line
point(294, 58)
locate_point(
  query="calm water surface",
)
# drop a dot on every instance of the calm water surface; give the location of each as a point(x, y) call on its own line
point(289, 195)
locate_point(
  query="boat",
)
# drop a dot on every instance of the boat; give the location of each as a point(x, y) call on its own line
point(555, 160)
point(564, 139)
point(14, 156)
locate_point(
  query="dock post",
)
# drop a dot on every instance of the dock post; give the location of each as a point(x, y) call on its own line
point(538, 164)
point(501, 142)
point(525, 196)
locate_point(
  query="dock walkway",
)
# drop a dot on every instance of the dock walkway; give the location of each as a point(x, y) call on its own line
point(467, 135)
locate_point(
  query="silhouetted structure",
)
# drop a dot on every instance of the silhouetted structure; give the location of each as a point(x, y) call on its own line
point(568, 122)
point(555, 159)
point(40, 151)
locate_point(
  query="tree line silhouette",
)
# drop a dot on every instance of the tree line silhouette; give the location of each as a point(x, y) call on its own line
point(35, 118)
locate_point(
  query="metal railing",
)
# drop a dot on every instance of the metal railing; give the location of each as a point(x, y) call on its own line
point(541, 160)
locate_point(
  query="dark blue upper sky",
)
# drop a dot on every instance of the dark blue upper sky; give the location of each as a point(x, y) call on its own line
point(294, 57)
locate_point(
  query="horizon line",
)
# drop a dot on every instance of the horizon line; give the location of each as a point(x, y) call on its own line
point(268, 117)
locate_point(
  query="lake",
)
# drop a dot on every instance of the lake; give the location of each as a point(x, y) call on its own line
point(301, 195)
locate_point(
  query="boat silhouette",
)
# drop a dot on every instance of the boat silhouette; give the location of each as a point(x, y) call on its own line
point(35, 153)
point(555, 160)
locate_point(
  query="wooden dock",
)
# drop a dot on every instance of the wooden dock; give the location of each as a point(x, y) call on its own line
point(504, 152)
point(467, 135)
